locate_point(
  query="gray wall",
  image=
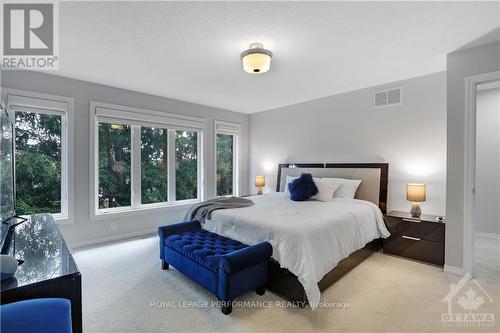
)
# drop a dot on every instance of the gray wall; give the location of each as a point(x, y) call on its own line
point(487, 193)
point(473, 61)
point(83, 231)
point(345, 128)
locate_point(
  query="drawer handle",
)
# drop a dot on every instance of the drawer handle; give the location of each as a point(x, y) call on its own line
point(412, 238)
point(412, 220)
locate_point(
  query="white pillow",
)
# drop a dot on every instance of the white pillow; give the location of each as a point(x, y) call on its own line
point(288, 180)
point(347, 189)
point(326, 188)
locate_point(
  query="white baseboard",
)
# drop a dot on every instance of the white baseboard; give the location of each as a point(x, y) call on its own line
point(487, 235)
point(110, 239)
point(453, 270)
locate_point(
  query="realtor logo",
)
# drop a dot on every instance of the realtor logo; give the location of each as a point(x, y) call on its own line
point(470, 296)
point(29, 36)
point(28, 29)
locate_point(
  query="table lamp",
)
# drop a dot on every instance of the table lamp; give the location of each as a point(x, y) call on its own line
point(416, 194)
point(260, 182)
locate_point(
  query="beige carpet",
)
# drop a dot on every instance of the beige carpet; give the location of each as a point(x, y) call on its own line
point(385, 293)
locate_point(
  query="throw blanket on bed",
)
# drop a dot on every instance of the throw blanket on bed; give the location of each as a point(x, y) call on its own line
point(203, 210)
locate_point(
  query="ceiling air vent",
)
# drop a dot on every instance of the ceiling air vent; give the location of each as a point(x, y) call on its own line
point(387, 97)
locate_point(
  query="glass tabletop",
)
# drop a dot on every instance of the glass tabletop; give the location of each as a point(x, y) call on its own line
point(41, 246)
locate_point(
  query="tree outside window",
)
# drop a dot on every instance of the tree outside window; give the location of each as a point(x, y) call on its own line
point(38, 163)
point(224, 143)
point(154, 165)
point(186, 165)
point(114, 165)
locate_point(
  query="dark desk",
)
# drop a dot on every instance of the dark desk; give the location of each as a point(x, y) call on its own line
point(49, 269)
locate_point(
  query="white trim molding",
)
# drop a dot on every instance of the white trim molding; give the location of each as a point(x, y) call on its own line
point(54, 105)
point(469, 163)
point(111, 239)
point(453, 270)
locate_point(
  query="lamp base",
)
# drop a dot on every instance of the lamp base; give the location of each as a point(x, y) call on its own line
point(259, 190)
point(415, 210)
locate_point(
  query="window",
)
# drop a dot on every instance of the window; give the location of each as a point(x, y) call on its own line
point(144, 159)
point(38, 163)
point(226, 158)
point(154, 165)
point(42, 157)
point(224, 164)
point(114, 165)
point(186, 165)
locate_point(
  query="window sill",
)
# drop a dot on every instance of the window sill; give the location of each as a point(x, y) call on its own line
point(62, 220)
point(58, 217)
point(107, 213)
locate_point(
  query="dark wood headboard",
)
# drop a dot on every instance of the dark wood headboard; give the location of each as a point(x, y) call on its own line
point(383, 167)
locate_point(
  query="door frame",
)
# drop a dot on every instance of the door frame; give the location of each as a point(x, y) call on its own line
point(470, 164)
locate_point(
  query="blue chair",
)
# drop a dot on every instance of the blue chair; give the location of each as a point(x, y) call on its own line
point(224, 266)
point(39, 315)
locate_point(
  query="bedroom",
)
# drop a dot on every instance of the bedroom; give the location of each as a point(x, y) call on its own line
point(136, 112)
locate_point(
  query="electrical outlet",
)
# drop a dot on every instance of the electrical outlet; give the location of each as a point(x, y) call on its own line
point(113, 225)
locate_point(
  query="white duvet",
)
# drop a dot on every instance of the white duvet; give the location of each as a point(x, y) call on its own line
point(309, 238)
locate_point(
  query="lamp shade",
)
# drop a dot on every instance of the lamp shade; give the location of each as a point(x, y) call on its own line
point(260, 181)
point(256, 59)
point(415, 192)
point(256, 63)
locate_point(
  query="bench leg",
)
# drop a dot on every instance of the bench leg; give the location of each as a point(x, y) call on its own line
point(261, 290)
point(227, 307)
point(164, 265)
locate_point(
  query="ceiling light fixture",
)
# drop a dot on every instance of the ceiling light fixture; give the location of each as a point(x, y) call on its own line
point(256, 59)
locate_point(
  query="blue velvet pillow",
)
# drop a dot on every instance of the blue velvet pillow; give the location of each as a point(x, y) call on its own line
point(302, 188)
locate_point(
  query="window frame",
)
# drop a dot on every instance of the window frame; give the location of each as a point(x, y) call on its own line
point(234, 129)
point(137, 118)
point(27, 101)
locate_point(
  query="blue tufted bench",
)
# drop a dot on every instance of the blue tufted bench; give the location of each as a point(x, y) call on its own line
point(223, 266)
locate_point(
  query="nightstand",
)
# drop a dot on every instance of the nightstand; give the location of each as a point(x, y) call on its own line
point(420, 239)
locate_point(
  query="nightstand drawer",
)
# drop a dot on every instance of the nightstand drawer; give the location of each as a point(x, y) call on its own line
point(414, 247)
point(423, 230)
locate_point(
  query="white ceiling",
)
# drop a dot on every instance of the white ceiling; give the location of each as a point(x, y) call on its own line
point(190, 51)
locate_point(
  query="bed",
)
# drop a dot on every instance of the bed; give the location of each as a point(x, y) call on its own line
point(314, 243)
